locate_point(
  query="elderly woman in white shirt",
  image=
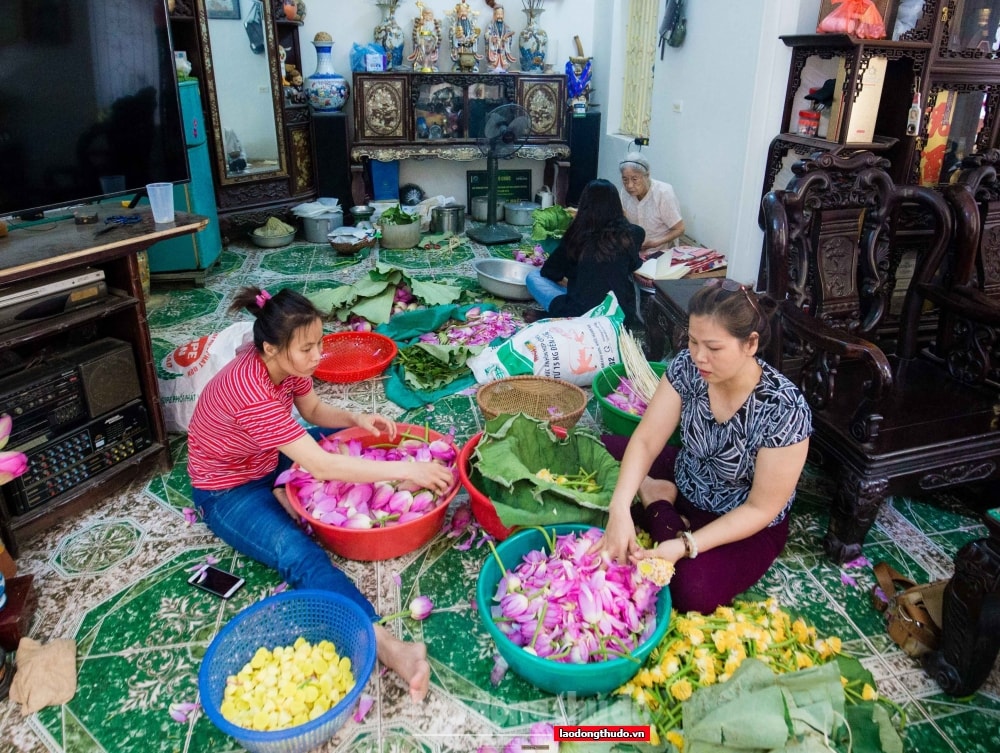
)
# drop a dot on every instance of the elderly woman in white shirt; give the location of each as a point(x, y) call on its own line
point(650, 204)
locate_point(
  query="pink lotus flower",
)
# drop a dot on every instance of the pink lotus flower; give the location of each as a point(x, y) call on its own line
point(364, 505)
point(182, 712)
point(420, 609)
point(12, 464)
point(365, 703)
point(572, 606)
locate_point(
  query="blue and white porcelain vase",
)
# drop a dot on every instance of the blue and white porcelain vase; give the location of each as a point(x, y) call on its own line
point(327, 89)
point(389, 34)
point(533, 43)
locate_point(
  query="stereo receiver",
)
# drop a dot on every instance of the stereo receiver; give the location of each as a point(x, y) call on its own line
point(66, 390)
point(80, 454)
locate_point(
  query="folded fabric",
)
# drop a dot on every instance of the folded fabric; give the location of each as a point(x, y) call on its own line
point(46, 674)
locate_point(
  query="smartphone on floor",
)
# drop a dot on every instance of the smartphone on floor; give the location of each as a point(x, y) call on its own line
point(216, 581)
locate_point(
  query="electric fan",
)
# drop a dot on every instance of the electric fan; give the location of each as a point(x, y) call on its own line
point(506, 129)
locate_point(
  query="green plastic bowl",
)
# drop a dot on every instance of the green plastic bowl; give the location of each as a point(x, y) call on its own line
point(553, 676)
point(615, 420)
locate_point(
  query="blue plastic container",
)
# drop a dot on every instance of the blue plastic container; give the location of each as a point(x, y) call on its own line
point(278, 621)
point(557, 677)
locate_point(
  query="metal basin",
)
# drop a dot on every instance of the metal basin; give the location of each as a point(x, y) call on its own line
point(504, 278)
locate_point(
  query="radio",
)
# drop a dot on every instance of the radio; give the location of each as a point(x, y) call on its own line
point(80, 454)
point(65, 391)
point(42, 402)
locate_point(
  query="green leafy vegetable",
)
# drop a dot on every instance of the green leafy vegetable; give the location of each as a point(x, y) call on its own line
point(396, 216)
point(550, 222)
point(371, 297)
point(514, 448)
point(429, 366)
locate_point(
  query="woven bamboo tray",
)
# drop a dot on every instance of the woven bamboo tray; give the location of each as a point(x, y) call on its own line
point(347, 249)
point(554, 400)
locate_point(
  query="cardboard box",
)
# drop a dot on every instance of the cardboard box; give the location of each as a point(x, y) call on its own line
point(861, 126)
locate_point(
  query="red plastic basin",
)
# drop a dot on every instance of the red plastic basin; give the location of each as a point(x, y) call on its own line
point(369, 545)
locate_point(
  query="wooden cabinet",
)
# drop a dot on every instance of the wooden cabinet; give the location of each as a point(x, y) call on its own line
point(944, 54)
point(902, 66)
point(400, 115)
point(76, 479)
point(259, 130)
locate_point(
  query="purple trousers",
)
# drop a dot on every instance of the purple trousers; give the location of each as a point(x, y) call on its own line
point(714, 577)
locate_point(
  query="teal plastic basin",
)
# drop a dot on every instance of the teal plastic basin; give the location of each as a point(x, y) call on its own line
point(553, 676)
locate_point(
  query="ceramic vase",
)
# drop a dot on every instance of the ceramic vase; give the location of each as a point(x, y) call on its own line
point(389, 35)
point(533, 43)
point(327, 89)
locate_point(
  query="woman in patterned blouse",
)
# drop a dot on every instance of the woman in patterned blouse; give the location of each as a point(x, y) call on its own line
point(717, 507)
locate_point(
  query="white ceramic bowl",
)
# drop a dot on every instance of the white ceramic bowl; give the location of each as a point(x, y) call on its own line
point(504, 278)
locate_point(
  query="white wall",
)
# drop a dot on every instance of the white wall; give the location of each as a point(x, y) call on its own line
point(729, 77)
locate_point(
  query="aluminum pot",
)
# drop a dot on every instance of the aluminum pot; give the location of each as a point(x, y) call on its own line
point(316, 229)
point(519, 212)
point(448, 218)
point(481, 207)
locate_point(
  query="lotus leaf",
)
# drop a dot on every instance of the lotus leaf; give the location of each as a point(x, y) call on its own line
point(514, 448)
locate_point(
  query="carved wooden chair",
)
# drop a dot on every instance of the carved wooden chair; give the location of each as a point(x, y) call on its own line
point(889, 418)
point(969, 333)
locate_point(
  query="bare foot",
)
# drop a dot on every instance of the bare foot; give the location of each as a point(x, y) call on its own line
point(408, 660)
point(282, 497)
point(654, 489)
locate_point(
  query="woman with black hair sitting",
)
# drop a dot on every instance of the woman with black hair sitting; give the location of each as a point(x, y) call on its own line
point(597, 255)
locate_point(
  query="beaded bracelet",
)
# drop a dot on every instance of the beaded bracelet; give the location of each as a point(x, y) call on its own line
point(690, 545)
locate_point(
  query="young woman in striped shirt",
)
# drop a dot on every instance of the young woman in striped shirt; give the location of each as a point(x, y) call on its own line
point(242, 436)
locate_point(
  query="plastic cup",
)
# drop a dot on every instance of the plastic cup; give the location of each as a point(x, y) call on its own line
point(161, 200)
point(112, 184)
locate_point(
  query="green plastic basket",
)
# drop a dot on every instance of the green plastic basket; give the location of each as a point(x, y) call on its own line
point(615, 420)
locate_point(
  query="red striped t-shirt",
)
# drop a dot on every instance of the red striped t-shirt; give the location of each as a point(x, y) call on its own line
point(239, 421)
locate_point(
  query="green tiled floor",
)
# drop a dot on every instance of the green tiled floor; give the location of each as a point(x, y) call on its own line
point(115, 580)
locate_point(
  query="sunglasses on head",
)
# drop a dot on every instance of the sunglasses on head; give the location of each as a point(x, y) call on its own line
point(732, 286)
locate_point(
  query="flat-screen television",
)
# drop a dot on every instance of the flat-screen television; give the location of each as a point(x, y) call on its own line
point(89, 106)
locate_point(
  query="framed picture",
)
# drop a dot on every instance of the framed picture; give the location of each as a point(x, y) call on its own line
point(512, 185)
point(223, 8)
point(865, 19)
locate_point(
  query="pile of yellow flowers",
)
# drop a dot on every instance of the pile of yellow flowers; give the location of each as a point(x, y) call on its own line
point(701, 650)
point(288, 686)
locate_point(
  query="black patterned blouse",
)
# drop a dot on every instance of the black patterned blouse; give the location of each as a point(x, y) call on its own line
point(715, 468)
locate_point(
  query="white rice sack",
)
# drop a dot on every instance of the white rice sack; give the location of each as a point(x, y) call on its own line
point(573, 349)
point(184, 371)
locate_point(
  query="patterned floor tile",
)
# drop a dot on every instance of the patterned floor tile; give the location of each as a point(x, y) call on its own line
point(115, 577)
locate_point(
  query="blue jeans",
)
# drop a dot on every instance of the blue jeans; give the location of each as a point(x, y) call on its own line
point(251, 520)
point(542, 289)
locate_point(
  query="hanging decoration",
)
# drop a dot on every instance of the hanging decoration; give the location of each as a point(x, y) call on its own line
point(674, 26)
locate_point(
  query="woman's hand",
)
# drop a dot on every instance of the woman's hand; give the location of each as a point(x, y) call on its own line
point(618, 541)
point(429, 475)
point(375, 423)
point(670, 550)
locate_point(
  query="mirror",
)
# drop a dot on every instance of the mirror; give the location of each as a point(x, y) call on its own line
point(243, 91)
point(952, 132)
